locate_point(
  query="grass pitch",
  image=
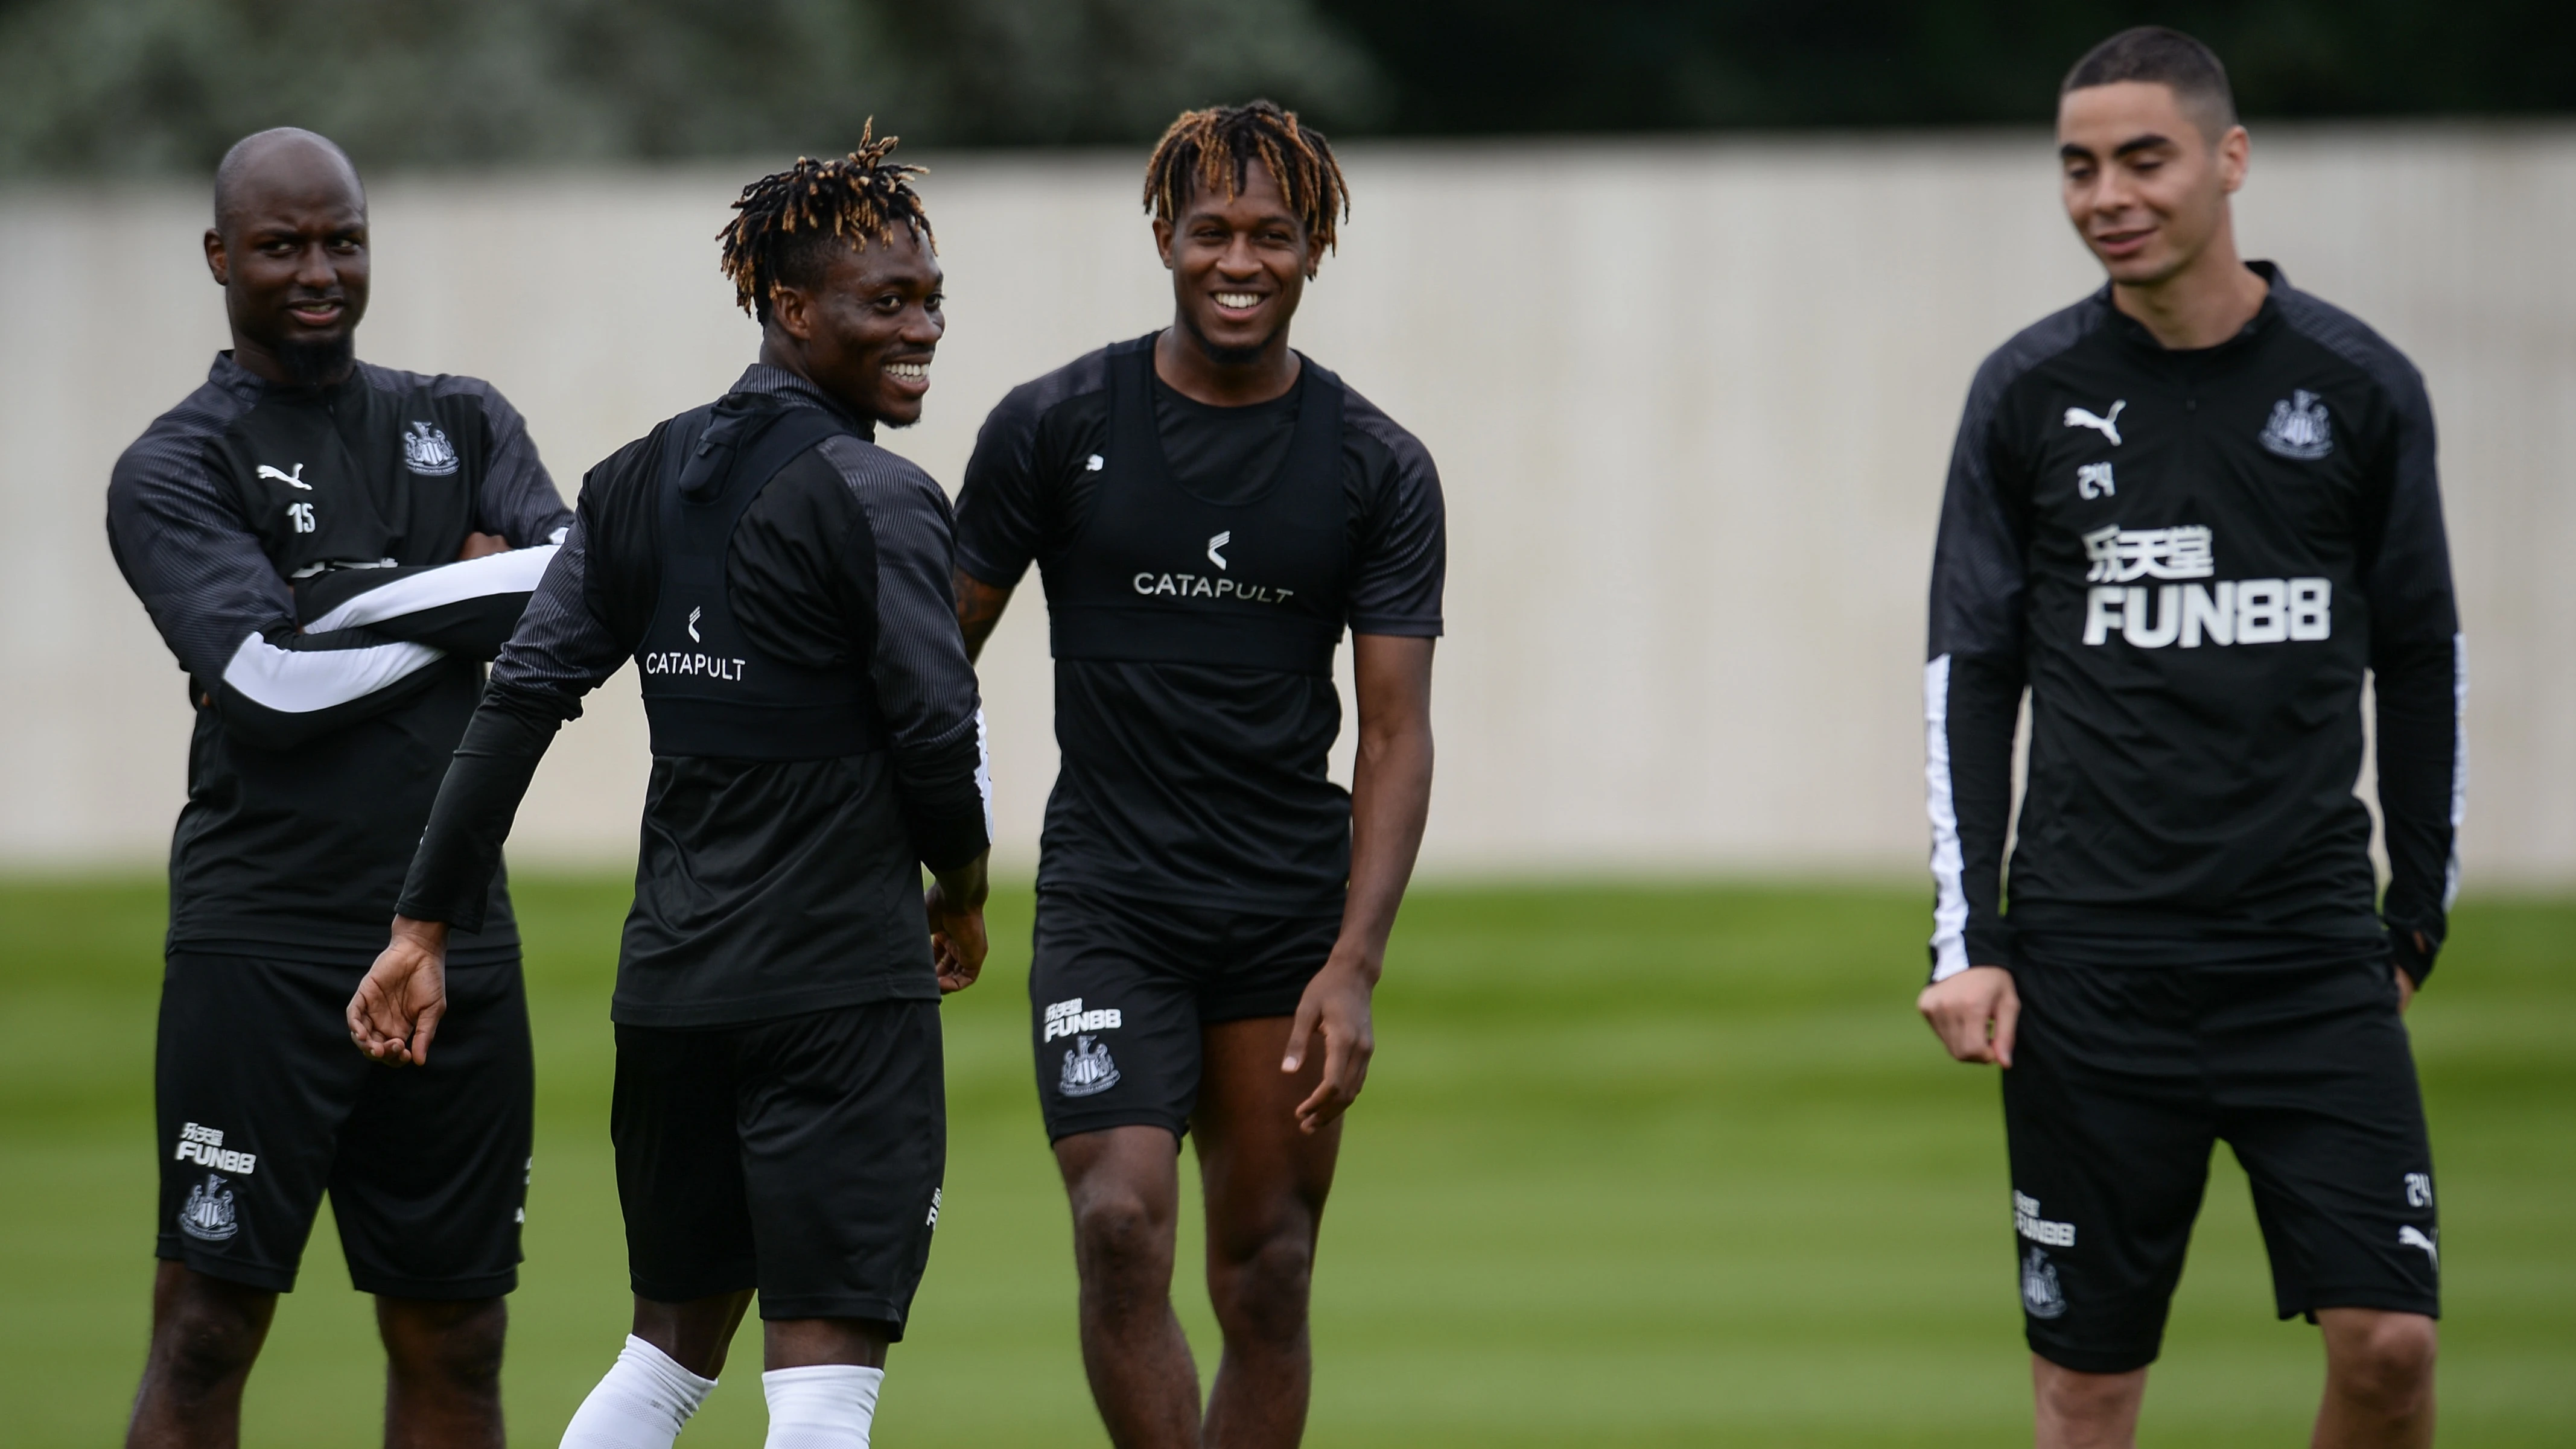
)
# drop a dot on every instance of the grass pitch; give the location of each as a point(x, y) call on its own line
point(1634, 1168)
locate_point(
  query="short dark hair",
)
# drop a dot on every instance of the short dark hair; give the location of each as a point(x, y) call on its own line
point(787, 221)
point(2159, 56)
point(1214, 151)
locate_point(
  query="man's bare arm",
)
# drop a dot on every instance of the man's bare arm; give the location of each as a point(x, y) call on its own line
point(979, 608)
point(1390, 800)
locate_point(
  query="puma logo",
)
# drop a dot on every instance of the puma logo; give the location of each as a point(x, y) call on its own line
point(2410, 1236)
point(291, 480)
point(2108, 424)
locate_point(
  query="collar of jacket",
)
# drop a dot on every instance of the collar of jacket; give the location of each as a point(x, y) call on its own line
point(760, 377)
point(2133, 332)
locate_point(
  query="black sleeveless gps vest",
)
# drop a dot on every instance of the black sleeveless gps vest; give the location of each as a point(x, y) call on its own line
point(1161, 575)
point(708, 690)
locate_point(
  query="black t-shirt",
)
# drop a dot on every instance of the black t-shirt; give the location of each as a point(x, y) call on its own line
point(1199, 784)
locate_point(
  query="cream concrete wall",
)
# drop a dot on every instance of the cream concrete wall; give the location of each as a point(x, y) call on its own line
point(1691, 401)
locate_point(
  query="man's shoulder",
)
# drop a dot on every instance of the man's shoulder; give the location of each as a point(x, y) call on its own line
point(2353, 341)
point(878, 477)
point(171, 450)
point(2033, 348)
point(1028, 405)
point(1368, 424)
point(436, 384)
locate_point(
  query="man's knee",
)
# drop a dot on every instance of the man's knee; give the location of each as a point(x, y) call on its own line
point(1263, 1292)
point(2380, 1359)
point(1118, 1235)
point(208, 1334)
point(457, 1343)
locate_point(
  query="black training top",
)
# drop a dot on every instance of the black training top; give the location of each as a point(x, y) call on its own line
point(765, 886)
point(295, 548)
point(1194, 717)
point(2191, 558)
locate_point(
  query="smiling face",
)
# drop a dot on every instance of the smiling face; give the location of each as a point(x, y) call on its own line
point(289, 248)
point(866, 331)
point(1239, 266)
point(2145, 183)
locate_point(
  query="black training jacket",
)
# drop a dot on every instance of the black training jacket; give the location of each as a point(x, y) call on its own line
point(296, 548)
point(2191, 560)
point(763, 888)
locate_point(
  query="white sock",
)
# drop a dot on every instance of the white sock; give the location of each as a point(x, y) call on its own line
point(825, 1406)
point(640, 1405)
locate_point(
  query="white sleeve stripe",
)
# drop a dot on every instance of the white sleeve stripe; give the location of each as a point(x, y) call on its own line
point(514, 572)
point(293, 681)
point(984, 772)
point(2459, 766)
point(1949, 867)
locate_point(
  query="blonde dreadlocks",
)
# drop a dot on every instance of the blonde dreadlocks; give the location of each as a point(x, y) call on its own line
point(1213, 150)
point(786, 219)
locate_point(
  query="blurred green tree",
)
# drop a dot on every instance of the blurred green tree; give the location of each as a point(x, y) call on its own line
point(122, 86)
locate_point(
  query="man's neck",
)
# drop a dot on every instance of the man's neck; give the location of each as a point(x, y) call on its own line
point(775, 353)
point(266, 365)
point(2203, 305)
point(1186, 367)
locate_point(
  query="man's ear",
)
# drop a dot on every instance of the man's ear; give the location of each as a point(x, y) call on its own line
point(791, 310)
point(2235, 154)
point(1162, 241)
point(218, 261)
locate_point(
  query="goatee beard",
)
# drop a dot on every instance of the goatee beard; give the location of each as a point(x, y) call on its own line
point(318, 364)
point(1229, 356)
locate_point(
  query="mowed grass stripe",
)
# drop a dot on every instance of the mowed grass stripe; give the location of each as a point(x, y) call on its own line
point(1637, 1167)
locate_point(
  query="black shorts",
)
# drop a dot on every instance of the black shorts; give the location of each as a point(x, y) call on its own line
point(1120, 990)
point(264, 1104)
point(800, 1156)
point(2122, 1079)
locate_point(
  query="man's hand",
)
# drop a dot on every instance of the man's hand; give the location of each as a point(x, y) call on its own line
point(955, 906)
point(1336, 1003)
point(481, 545)
point(2405, 989)
point(396, 1011)
point(1974, 1013)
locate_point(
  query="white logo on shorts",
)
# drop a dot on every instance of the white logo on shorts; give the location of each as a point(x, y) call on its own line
point(1088, 1069)
point(2411, 1236)
point(2028, 1223)
point(205, 1147)
point(933, 1220)
point(1067, 1018)
point(208, 1213)
point(2039, 1291)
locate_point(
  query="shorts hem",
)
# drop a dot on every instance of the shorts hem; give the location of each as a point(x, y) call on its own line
point(691, 1290)
point(442, 1290)
point(249, 1275)
point(1057, 1131)
point(2094, 1361)
point(2382, 1299)
point(866, 1308)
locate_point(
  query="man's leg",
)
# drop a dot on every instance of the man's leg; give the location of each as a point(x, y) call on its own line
point(205, 1335)
point(442, 1371)
point(1124, 1183)
point(2073, 1410)
point(666, 1370)
point(1265, 1184)
point(2379, 1379)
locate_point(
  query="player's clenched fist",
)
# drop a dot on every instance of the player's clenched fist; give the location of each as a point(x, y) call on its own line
point(1974, 1013)
point(396, 1010)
